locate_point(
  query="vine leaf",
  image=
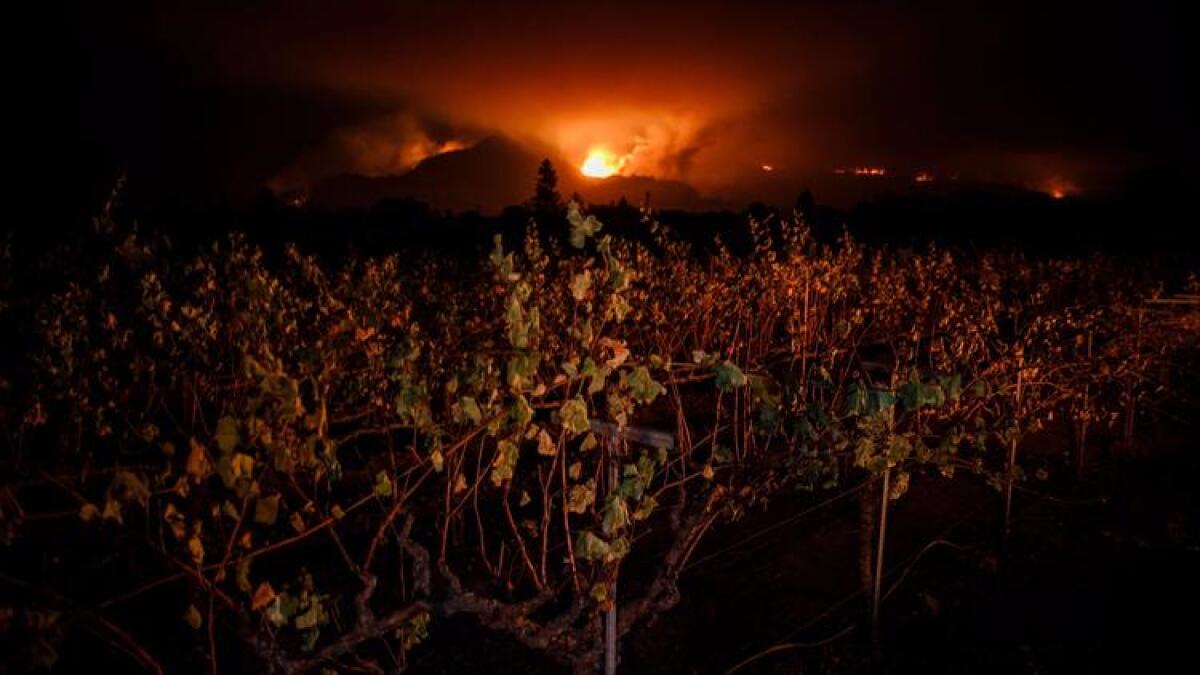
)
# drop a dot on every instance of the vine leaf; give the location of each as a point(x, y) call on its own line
point(616, 514)
point(581, 497)
point(228, 437)
point(582, 226)
point(383, 484)
point(266, 510)
point(642, 386)
point(507, 453)
point(263, 595)
point(574, 415)
point(193, 618)
point(545, 444)
point(729, 376)
point(590, 547)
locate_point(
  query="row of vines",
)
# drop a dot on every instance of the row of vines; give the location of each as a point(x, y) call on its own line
point(313, 465)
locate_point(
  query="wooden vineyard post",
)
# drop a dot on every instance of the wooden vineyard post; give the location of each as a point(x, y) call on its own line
point(1130, 405)
point(1085, 417)
point(614, 436)
point(610, 618)
point(878, 576)
point(1012, 448)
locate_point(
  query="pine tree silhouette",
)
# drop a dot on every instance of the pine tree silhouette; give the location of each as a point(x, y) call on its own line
point(546, 199)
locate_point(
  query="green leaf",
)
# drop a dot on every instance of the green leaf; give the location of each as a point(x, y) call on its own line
point(642, 386)
point(952, 386)
point(729, 376)
point(467, 410)
point(521, 412)
point(507, 454)
point(581, 497)
point(522, 366)
point(412, 404)
point(590, 547)
point(383, 484)
point(582, 226)
point(632, 486)
point(616, 514)
point(574, 415)
point(856, 398)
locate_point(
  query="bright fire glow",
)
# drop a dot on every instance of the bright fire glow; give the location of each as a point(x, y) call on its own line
point(861, 171)
point(768, 168)
point(601, 163)
point(1060, 188)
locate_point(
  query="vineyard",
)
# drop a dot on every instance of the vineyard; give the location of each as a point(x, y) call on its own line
point(224, 459)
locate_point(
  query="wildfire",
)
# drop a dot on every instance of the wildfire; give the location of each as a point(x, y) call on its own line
point(861, 171)
point(1060, 188)
point(601, 163)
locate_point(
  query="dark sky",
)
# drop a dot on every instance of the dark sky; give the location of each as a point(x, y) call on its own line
point(208, 98)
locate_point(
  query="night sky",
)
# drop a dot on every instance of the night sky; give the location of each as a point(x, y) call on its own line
point(223, 100)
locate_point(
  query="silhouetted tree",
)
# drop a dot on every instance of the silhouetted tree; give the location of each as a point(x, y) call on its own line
point(806, 205)
point(546, 200)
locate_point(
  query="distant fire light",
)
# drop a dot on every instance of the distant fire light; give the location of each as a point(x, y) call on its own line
point(768, 168)
point(862, 171)
point(601, 163)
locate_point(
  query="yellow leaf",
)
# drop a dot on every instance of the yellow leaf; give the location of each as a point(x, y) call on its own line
point(263, 596)
point(546, 445)
point(193, 618)
point(175, 521)
point(197, 462)
point(88, 512)
point(112, 510)
point(196, 549)
point(266, 510)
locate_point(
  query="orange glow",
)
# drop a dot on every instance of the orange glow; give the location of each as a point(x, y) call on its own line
point(862, 171)
point(923, 177)
point(768, 168)
point(1060, 188)
point(601, 163)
